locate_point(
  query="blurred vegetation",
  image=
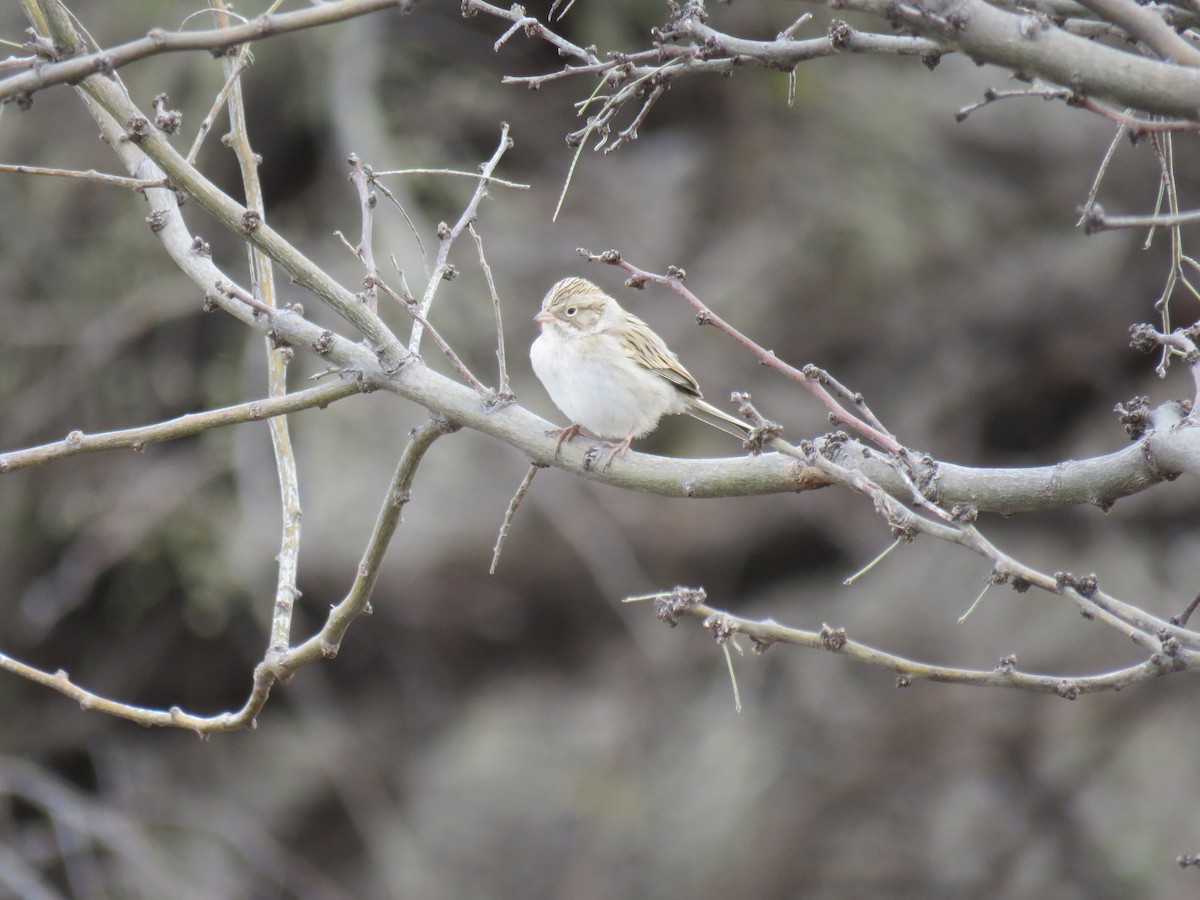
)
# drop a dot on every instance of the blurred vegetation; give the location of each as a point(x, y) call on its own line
point(525, 735)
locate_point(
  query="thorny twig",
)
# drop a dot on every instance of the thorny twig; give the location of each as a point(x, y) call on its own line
point(671, 605)
point(810, 378)
point(954, 525)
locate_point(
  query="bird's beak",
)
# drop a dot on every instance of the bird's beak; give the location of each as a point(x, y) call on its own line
point(545, 317)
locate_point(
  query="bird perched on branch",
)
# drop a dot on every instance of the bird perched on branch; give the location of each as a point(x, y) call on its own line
point(609, 372)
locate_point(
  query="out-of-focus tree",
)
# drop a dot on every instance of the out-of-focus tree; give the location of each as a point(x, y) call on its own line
point(442, 268)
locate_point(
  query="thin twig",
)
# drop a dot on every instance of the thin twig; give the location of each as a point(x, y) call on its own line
point(136, 184)
point(1101, 171)
point(1182, 619)
point(1136, 126)
point(412, 226)
point(1098, 220)
point(476, 175)
point(506, 524)
point(790, 32)
point(630, 134)
point(233, 73)
point(873, 563)
point(503, 389)
point(360, 177)
point(137, 439)
point(737, 697)
point(410, 307)
point(582, 139)
point(975, 602)
point(446, 237)
point(533, 28)
point(566, 9)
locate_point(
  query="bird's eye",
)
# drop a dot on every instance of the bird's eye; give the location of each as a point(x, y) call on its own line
point(570, 311)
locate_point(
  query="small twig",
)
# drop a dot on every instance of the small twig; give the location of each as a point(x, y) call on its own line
point(873, 563)
point(630, 134)
point(566, 9)
point(853, 397)
point(412, 226)
point(1182, 619)
point(788, 33)
point(232, 75)
point(975, 603)
point(737, 697)
point(410, 307)
point(525, 22)
point(506, 524)
point(360, 177)
point(1141, 628)
point(446, 237)
point(1136, 127)
point(1094, 192)
point(1096, 219)
point(562, 196)
point(1144, 337)
point(533, 28)
point(533, 82)
point(476, 175)
point(137, 439)
point(174, 717)
point(503, 389)
point(1165, 149)
point(136, 184)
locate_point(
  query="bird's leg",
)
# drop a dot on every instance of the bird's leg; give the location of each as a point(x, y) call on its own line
point(571, 431)
point(617, 449)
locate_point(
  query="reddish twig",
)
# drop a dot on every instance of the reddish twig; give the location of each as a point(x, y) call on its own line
point(810, 378)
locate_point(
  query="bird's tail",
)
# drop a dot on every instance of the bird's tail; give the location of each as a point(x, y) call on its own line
point(717, 418)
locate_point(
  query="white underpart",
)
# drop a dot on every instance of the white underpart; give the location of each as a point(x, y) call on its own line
point(612, 400)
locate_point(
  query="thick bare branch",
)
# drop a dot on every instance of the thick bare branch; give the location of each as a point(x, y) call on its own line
point(1035, 47)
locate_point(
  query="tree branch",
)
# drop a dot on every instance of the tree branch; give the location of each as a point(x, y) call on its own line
point(136, 439)
point(22, 87)
point(670, 605)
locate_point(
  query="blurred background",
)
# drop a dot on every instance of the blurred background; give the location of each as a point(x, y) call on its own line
point(525, 735)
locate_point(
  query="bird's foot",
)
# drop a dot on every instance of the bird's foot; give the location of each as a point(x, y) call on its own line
point(618, 449)
point(571, 431)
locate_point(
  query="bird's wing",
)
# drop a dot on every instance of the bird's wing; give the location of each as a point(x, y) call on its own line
point(650, 352)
